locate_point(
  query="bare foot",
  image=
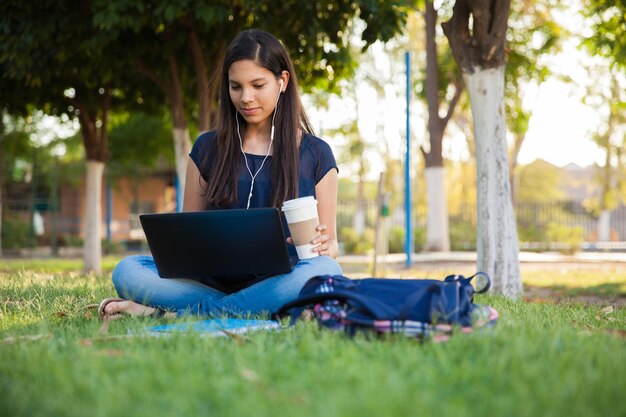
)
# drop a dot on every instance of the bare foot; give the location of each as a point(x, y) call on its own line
point(114, 308)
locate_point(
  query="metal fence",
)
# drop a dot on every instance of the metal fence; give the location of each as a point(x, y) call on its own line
point(540, 225)
point(537, 223)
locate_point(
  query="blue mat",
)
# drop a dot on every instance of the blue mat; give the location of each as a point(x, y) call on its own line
point(215, 327)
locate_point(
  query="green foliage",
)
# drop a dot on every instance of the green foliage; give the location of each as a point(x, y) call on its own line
point(17, 233)
point(539, 181)
point(138, 141)
point(462, 236)
point(71, 241)
point(112, 248)
point(396, 239)
point(610, 176)
point(532, 233)
point(354, 244)
point(317, 34)
point(608, 29)
point(419, 238)
point(348, 189)
point(61, 58)
point(25, 158)
point(569, 238)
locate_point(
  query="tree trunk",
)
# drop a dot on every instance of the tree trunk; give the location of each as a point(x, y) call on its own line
point(604, 226)
point(498, 245)
point(93, 217)
point(202, 76)
point(477, 36)
point(95, 142)
point(437, 226)
point(437, 232)
point(182, 141)
point(207, 79)
point(180, 131)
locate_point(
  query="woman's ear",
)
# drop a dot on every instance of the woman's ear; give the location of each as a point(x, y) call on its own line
point(284, 77)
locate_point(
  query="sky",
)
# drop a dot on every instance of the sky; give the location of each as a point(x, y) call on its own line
point(561, 126)
point(560, 129)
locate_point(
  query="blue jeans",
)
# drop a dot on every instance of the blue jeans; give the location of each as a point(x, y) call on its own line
point(136, 278)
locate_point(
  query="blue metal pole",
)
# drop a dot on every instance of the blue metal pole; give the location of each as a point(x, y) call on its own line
point(179, 195)
point(408, 244)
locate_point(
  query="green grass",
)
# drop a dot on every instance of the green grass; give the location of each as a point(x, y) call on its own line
point(566, 359)
point(53, 265)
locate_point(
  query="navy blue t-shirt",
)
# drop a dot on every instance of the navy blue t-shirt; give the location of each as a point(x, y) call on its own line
point(316, 160)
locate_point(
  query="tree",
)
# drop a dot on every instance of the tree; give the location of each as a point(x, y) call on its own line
point(437, 229)
point(607, 96)
point(477, 35)
point(608, 41)
point(161, 44)
point(164, 39)
point(366, 137)
point(531, 39)
point(76, 60)
point(62, 64)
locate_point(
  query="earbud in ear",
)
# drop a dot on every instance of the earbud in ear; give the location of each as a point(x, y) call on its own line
point(281, 86)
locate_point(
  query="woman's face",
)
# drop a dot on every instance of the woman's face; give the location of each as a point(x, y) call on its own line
point(254, 90)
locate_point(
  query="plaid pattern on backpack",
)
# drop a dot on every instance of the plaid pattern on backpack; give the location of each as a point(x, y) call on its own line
point(418, 308)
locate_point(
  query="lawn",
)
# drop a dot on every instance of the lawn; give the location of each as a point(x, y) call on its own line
point(542, 359)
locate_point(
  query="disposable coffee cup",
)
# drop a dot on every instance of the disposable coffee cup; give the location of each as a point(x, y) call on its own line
point(302, 218)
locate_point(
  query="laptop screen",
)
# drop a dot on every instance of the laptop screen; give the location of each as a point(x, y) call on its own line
point(218, 243)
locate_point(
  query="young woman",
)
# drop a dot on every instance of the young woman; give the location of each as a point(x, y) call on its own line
point(262, 154)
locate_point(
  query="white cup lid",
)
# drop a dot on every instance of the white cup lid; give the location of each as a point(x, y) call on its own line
point(299, 202)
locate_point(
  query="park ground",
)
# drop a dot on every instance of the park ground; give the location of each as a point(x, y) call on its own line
point(558, 351)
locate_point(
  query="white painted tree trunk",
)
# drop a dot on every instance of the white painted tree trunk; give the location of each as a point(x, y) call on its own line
point(437, 228)
point(358, 221)
point(497, 245)
point(182, 147)
point(93, 217)
point(604, 226)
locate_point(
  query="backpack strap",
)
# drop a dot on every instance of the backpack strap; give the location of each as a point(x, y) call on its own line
point(461, 278)
point(486, 287)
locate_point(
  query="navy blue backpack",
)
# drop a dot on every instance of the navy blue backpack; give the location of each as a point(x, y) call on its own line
point(413, 307)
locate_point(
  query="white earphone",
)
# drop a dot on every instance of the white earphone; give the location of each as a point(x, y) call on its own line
point(269, 148)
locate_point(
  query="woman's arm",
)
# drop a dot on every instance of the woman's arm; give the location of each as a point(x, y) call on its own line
point(326, 193)
point(194, 187)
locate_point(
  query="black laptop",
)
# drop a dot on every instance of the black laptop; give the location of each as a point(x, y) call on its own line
point(218, 244)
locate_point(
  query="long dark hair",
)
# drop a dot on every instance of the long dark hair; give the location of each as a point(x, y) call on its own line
point(291, 121)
